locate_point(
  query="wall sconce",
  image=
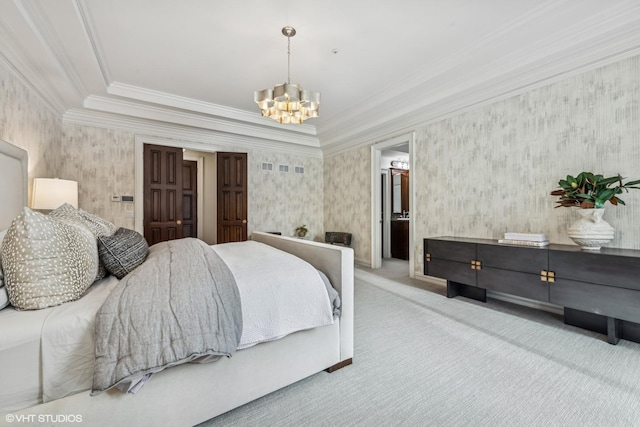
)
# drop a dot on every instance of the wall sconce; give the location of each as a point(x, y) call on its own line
point(51, 193)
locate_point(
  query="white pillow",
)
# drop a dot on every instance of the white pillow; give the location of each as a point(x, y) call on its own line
point(98, 226)
point(47, 261)
point(4, 297)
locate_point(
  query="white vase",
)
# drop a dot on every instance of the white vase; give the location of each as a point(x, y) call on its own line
point(590, 231)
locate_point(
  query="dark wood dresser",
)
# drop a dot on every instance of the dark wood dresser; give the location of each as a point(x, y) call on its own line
point(599, 290)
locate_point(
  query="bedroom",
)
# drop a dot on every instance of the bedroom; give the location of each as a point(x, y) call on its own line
point(530, 132)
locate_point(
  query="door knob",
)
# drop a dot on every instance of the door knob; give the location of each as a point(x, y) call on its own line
point(178, 222)
point(244, 221)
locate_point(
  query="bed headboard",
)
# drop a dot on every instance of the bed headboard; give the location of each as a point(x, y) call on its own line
point(13, 185)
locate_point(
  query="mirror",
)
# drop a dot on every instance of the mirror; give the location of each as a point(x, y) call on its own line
point(397, 194)
point(399, 191)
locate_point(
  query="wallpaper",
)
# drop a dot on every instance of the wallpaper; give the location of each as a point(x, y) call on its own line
point(491, 170)
point(283, 201)
point(103, 163)
point(347, 198)
point(25, 121)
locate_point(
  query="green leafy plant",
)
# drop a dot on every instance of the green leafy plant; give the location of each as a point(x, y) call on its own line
point(587, 190)
point(302, 230)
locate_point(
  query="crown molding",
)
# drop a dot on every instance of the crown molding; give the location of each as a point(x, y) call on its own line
point(89, 31)
point(49, 40)
point(153, 128)
point(190, 104)
point(464, 93)
point(178, 117)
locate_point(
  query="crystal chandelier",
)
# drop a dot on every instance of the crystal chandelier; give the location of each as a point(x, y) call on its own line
point(288, 103)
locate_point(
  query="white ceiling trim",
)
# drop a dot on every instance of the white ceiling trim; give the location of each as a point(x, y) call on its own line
point(416, 109)
point(49, 99)
point(190, 104)
point(135, 109)
point(90, 32)
point(454, 71)
point(142, 126)
point(50, 42)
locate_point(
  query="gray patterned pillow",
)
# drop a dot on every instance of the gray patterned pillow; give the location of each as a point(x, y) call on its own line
point(47, 261)
point(122, 252)
point(95, 224)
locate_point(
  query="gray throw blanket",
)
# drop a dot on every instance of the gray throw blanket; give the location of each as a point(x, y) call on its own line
point(180, 305)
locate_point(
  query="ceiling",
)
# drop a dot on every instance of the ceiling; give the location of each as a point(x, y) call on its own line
point(382, 68)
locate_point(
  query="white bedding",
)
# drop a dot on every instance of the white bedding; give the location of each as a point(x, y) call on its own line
point(280, 293)
point(50, 353)
point(20, 357)
point(35, 345)
point(67, 343)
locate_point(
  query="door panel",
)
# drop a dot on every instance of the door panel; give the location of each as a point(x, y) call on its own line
point(232, 197)
point(162, 193)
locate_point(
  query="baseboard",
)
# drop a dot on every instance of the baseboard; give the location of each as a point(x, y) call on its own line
point(362, 262)
point(428, 279)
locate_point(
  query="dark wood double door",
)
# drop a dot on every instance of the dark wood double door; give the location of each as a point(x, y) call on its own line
point(171, 195)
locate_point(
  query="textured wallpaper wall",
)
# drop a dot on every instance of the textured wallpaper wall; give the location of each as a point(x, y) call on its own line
point(347, 198)
point(103, 161)
point(26, 122)
point(282, 201)
point(491, 170)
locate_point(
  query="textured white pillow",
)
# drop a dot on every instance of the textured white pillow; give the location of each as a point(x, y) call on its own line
point(98, 226)
point(47, 261)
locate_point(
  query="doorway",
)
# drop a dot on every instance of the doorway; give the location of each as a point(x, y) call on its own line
point(380, 224)
point(206, 156)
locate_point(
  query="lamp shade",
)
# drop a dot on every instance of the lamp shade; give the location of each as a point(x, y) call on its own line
point(51, 193)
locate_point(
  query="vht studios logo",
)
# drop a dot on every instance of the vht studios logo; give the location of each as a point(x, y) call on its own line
point(43, 418)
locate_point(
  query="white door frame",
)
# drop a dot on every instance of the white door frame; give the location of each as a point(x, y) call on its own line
point(376, 199)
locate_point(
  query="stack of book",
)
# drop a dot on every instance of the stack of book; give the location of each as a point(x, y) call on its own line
point(525, 239)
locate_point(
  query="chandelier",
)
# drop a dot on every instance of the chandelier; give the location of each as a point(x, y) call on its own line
point(288, 103)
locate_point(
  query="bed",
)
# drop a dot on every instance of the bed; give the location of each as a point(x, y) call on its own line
point(189, 393)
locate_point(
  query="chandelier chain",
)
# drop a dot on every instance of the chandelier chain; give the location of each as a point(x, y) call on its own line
point(288, 59)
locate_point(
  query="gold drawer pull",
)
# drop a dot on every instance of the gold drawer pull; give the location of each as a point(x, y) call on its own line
point(548, 276)
point(427, 257)
point(476, 265)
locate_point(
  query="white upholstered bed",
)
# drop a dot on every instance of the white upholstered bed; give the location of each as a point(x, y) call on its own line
point(190, 393)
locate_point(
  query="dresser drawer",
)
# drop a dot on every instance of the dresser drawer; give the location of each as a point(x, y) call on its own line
point(599, 268)
point(609, 301)
point(515, 283)
point(452, 251)
point(451, 270)
point(515, 258)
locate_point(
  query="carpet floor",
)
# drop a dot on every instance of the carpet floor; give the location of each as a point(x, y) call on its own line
point(424, 360)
